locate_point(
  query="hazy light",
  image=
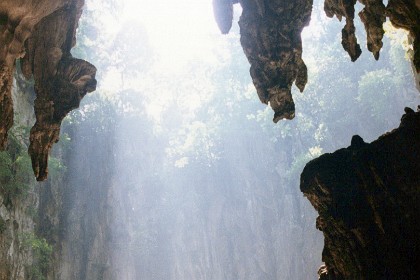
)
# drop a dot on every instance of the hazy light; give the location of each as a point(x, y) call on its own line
point(179, 31)
point(182, 35)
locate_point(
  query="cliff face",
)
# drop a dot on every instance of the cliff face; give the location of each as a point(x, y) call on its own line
point(16, 223)
point(235, 219)
point(75, 213)
point(72, 211)
point(18, 203)
point(42, 33)
point(367, 197)
point(271, 39)
point(15, 258)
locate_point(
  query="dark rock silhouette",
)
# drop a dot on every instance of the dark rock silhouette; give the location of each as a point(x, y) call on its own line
point(367, 197)
point(271, 39)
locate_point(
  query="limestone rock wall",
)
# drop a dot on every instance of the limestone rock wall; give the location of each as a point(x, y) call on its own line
point(15, 224)
point(17, 212)
point(75, 212)
point(367, 197)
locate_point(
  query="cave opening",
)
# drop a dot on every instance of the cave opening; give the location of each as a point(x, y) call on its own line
point(173, 168)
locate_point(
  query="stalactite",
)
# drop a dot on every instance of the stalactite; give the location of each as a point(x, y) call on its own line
point(42, 33)
point(270, 37)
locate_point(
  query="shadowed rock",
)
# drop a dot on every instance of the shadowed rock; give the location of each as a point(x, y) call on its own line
point(367, 197)
point(42, 33)
point(373, 16)
point(271, 39)
point(406, 14)
point(340, 9)
point(6, 104)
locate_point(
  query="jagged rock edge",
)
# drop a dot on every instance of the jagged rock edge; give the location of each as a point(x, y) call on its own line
point(270, 37)
point(42, 34)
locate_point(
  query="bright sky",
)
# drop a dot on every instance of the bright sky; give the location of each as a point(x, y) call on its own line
point(178, 30)
point(179, 33)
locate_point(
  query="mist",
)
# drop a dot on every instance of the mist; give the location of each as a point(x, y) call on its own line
point(175, 169)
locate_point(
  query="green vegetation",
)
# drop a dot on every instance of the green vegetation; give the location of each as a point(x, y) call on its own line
point(16, 174)
point(41, 252)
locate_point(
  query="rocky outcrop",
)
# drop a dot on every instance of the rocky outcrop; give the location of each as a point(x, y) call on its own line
point(406, 14)
point(42, 33)
point(345, 9)
point(270, 37)
point(373, 16)
point(367, 197)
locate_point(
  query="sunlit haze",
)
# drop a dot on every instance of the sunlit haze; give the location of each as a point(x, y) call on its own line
point(180, 33)
point(160, 162)
point(201, 184)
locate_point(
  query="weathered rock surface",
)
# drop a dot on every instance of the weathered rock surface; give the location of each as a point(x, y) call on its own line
point(17, 205)
point(270, 37)
point(42, 33)
point(367, 197)
point(373, 16)
point(340, 9)
point(15, 224)
point(76, 212)
point(6, 104)
point(406, 14)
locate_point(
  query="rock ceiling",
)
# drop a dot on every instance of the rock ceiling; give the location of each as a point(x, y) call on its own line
point(271, 39)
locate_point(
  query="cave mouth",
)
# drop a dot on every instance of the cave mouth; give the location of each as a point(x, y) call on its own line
point(172, 168)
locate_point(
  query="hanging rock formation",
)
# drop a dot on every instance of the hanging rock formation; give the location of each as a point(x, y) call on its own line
point(42, 33)
point(367, 197)
point(345, 9)
point(270, 37)
point(223, 13)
